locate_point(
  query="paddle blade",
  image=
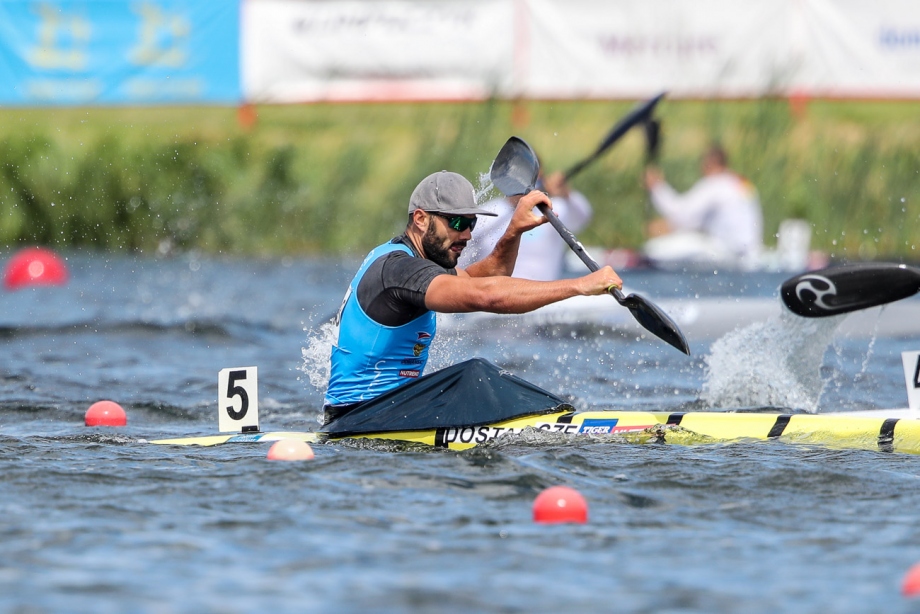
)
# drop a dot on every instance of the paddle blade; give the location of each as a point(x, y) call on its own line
point(515, 169)
point(848, 288)
point(654, 320)
point(652, 139)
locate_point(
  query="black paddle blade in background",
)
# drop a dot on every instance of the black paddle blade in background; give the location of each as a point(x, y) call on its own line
point(652, 139)
point(843, 289)
point(639, 114)
point(516, 168)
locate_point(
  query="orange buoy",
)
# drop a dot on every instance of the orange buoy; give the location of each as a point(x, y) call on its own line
point(910, 586)
point(106, 413)
point(34, 266)
point(559, 504)
point(290, 450)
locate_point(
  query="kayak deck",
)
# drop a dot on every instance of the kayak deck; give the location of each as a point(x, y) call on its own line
point(214, 440)
point(889, 431)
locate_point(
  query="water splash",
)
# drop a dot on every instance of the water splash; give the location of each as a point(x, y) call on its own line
point(316, 353)
point(875, 331)
point(450, 346)
point(484, 188)
point(776, 363)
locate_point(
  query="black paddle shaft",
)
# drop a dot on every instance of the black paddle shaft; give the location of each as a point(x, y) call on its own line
point(843, 289)
point(514, 171)
point(648, 314)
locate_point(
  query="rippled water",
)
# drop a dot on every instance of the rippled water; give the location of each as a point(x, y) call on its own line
point(94, 520)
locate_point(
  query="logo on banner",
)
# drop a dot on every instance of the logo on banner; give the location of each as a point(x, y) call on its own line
point(163, 38)
point(62, 40)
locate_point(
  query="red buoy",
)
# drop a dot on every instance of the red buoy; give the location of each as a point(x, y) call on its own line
point(560, 504)
point(106, 413)
point(34, 266)
point(910, 586)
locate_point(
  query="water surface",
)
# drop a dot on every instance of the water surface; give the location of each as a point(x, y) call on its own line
point(94, 520)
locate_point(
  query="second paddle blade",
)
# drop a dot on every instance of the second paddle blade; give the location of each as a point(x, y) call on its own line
point(654, 320)
point(515, 169)
point(847, 288)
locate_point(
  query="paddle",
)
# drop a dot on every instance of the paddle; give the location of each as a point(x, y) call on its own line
point(640, 113)
point(514, 172)
point(652, 140)
point(652, 147)
point(851, 287)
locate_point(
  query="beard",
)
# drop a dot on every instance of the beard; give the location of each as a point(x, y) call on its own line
point(437, 252)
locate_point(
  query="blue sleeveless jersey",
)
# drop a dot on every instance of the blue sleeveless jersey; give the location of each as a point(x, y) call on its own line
point(369, 358)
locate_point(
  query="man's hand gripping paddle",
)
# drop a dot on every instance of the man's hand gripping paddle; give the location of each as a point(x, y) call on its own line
point(850, 287)
point(514, 172)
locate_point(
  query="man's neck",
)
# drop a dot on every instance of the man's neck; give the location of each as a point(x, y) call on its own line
point(415, 240)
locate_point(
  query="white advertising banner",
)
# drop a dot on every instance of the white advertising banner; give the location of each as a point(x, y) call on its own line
point(622, 48)
point(854, 48)
point(310, 50)
point(375, 50)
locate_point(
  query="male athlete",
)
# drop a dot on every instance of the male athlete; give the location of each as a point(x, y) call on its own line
point(387, 319)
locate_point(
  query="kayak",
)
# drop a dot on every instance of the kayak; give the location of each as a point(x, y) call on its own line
point(886, 434)
point(436, 410)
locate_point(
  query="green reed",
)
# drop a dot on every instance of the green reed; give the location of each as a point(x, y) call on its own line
point(337, 178)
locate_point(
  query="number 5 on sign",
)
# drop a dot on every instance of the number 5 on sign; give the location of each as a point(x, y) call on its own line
point(238, 400)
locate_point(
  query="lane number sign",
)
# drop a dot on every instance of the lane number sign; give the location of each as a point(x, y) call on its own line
point(238, 400)
point(911, 362)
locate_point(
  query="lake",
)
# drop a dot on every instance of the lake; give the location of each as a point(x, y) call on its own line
point(97, 520)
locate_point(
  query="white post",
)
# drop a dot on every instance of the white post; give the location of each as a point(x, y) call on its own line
point(911, 361)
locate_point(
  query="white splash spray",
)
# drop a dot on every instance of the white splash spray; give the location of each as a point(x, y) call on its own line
point(316, 353)
point(776, 363)
point(485, 188)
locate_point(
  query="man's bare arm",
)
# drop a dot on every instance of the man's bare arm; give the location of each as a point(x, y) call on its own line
point(462, 294)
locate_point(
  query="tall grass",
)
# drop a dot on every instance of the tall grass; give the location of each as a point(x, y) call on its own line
point(337, 178)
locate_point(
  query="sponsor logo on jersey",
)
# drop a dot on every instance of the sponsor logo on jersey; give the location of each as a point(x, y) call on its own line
point(411, 361)
point(409, 373)
point(420, 345)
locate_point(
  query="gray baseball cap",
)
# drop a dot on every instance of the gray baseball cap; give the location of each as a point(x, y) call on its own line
point(446, 192)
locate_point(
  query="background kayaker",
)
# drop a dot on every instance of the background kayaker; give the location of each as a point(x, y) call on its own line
point(387, 320)
point(542, 252)
point(719, 217)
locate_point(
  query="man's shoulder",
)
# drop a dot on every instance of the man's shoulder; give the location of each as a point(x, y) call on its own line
point(399, 264)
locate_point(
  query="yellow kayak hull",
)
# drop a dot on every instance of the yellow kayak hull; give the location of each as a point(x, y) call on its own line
point(883, 432)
